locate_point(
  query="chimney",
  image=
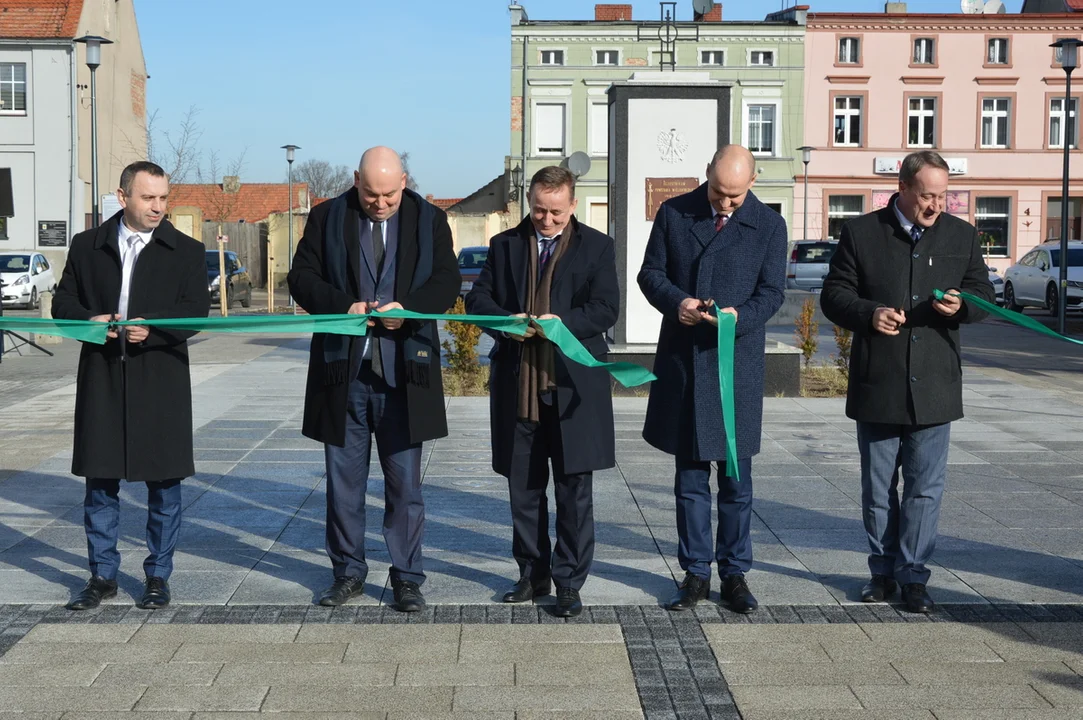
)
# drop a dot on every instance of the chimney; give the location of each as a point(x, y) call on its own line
point(518, 14)
point(895, 8)
point(714, 16)
point(231, 184)
point(611, 13)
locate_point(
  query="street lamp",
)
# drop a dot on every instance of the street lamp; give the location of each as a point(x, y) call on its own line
point(516, 181)
point(1068, 63)
point(289, 175)
point(806, 155)
point(93, 60)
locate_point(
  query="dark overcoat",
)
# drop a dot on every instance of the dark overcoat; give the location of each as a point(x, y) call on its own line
point(915, 377)
point(169, 280)
point(586, 297)
point(325, 403)
point(744, 267)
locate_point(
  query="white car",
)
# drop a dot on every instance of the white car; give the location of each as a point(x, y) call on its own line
point(1033, 281)
point(24, 277)
point(998, 284)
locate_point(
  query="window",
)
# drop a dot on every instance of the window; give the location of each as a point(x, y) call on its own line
point(44, 263)
point(994, 122)
point(840, 209)
point(923, 51)
point(1057, 53)
point(3, 228)
point(921, 122)
point(599, 129)
point(552, 57)
point(848, 121)
point(712, 57)
point(549, 128)
point(13, 88)
point(776, 206)
point(607, 57)
point(762, 57)
point(992, 218)
point(998, 52)
point(1053, 217)
point(849, 51)
point(1057, 124)
point(761, 129)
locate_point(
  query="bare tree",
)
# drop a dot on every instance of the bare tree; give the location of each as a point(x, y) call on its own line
point(410, 182)
point(324, 179)
point(179, 155)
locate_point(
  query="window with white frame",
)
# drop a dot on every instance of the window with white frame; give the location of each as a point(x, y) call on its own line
point(923, 51)
point(762, 123)
point(1058, 125)
point(992, 218)
point(552, 57)
point(997, 54)
point(607, 57)
point(712, 57)
point(840, 209)
point(13, 88)
point(549, 131)
point(921, 122)
point(849, 50)
point(599, 128)
point(1057, 53)
point(848, 120)
point(776, 206)
point(764, 58)
point(994, 122)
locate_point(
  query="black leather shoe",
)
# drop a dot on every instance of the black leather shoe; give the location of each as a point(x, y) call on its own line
point(568, 602)
point(691, 590)
point(916, 598)
point(525, 590)
point(97, 589)
point(342, 590)
point(408, 597)
point(879, 589)
point(155, 594)
point(735, 592)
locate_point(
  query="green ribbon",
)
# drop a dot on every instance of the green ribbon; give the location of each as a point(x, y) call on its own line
point(727, 325)
point(627, 374)
point(1011, 316)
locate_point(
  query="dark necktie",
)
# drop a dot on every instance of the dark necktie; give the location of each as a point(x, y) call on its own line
point(546, 252)
point(915, 232)
point(720, 221)
point(378, 255)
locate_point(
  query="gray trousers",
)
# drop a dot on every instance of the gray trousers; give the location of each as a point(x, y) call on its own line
point(902, 535)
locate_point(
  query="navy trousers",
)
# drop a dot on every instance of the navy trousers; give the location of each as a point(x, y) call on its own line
point(374, 408)
point(732, 549)
point(101, 519)
point(902, 536)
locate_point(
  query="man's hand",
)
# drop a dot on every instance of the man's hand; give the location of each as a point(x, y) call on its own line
point(391, 323)
point(136, 333)
point(888, 320)
point(689, 312)
point(950, 304)
point(713, 319)
point(530, 331)
point(361, 308)
point(111, 333)
point(547, 316)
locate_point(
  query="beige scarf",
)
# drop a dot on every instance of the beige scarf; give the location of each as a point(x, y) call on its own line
point(537, 371)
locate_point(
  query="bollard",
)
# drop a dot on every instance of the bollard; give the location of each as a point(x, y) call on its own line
point(46, 312)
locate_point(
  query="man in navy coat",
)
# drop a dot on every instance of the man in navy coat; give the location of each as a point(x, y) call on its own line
point(717, 243)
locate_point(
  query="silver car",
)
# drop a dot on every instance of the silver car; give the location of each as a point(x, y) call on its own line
point(809, 263)
point(1033, 281)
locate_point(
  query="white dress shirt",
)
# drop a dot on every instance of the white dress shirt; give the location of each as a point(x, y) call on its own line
point(131, 243)
point(906, 224)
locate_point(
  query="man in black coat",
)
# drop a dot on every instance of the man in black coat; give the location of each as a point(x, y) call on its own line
point(542, 406)
point(376, 247)
point(133, 403)
point(720, 243)
point(905, 374)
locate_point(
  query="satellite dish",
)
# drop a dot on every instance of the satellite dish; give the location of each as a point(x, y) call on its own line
point(994, 7)
point(971, 7)
point(702, 7)
point(579, 163)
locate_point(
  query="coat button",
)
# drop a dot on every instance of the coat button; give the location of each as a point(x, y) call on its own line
point(914, 339)
point(914, 297)
point(916, 256)
point(913, 379)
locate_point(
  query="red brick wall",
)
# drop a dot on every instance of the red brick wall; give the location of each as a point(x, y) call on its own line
point(713, 16)
point(612, 12)
point(139, 94)
point(516, 114)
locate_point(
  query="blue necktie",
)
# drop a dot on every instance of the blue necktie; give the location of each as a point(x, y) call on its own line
point(546, 252)
point(915, 232)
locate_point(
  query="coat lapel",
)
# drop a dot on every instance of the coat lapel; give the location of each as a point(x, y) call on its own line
point(567, 260)
point(351, 235)
point(520, 260)
point(406, 245)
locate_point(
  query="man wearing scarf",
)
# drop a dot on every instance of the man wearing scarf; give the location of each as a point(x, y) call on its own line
point(376, 247)
point(542, 407)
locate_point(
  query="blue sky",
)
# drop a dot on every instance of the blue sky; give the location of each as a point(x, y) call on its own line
point(337, 76)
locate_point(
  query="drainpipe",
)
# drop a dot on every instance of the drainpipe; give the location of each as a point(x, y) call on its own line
point(73, 123)
point(523, 200)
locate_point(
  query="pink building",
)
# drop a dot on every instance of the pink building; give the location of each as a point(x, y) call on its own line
point(985, 91)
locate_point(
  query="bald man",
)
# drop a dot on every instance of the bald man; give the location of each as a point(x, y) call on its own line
point(715, 246)
point(376, 247)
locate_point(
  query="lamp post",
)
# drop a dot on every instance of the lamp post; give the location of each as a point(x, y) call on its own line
point(806, 155)
point(1068, 63)
point(93, 60)
point(516, 180)
point(289, 175)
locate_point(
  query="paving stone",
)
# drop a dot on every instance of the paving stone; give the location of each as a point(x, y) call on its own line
point(216, 634)
point(794, 673)
point(488, 699)
point(414, 700)
point(1062, 692)
point(541, 652)
point(74, 653)
point(309, 674)
point(261, 652)
point(374, 715)
point(799, 697)
point(811, 652)
point(916, 714)
point(49, 675)
point(537, 633)
point(216, 698)
point(456, 674)
point(958, 696)
point(159, 674)
point(931, 650)
point(59, 699)
point(785, 633)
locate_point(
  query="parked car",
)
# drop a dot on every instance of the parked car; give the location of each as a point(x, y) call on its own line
point(24, 277)
point(809, 263)
point(1033, 281)
point(239, 281)
point(998, 284)
point(471, 260)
